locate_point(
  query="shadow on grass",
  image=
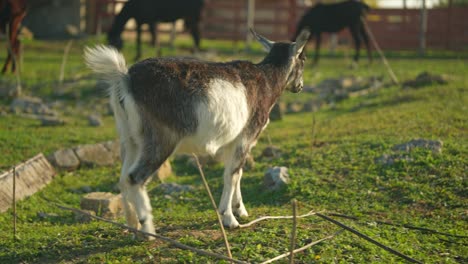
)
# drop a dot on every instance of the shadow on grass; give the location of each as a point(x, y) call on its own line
point(59, 251)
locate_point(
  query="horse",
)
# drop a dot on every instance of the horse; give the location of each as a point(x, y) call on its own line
point(333, 18)
point(12, 13)
point(153, 11)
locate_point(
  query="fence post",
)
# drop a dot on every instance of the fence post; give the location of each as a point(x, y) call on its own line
point(423, 29)
point(292, 18)
point(250, 22)
point(449, 25)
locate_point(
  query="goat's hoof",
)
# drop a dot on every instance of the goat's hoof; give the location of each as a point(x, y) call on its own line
point(230, 221)
point(142, 237)
point(241, 212)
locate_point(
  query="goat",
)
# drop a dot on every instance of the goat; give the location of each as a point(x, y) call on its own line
point(12, 13)
point(333, 18)
point(153, 11)
point(172, 105)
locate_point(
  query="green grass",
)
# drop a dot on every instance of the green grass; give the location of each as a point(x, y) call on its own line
point(331, 161)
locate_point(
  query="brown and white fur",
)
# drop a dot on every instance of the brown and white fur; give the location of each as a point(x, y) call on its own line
point(164, 106)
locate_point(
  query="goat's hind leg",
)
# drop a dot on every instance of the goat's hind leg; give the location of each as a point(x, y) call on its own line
point(153, 151)
point(128, 155)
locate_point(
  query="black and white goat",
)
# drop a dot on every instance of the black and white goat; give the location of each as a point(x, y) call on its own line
point(168, 105)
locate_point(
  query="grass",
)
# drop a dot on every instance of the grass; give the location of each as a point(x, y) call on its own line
point(331, 162)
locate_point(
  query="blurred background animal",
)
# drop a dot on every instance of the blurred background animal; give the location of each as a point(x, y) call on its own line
point(12, 13)
point(331, 18)
point(154, 11)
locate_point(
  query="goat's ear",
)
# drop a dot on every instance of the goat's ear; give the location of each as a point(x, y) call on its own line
point(267, 44)
point(301, 41)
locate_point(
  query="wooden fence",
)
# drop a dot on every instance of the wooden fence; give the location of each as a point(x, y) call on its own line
point(394, 29)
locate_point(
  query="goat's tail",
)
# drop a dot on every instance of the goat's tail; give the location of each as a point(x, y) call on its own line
point(110, 65)
point(107, 62)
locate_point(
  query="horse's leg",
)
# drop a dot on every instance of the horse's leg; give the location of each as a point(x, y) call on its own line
point(13, 28)
point(138, 42)
point(7, 62)
point(193, 24)
point(173, 35)
point(354, 29)
point(317, 47)
point(365, 37)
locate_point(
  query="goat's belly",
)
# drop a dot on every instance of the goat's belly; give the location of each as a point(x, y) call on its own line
point(221, 119)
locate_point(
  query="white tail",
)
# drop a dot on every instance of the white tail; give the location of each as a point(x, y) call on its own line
point(107, 62)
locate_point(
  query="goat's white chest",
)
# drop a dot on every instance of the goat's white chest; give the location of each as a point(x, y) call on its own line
point(221, 118)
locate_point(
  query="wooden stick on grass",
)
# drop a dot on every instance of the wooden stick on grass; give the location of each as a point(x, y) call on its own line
point(163, 238)
point(293, 232)
point(14, 203)
point(407, 258)
point(382, 56)
point(64, 60)
point(302, 248)
point(205, 183)
point(275, 217)
point(398, 225)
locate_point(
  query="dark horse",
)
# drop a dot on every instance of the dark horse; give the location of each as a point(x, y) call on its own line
point(334, 18)
point(12, 13)
point(153, 11)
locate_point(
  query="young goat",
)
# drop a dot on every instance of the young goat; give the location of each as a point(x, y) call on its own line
point(153, 11)
point(334, 18)
point(12, 13)
point(168, 105)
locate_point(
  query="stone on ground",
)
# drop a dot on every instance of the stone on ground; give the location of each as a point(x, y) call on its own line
point(275, 178)
point(104, 204)
point(94, 155)
point(271, 152)
point(114, 147)
point(31, 176)
point(434, 145)
point(95, 120)
point(64, 159)
point(277, 112)
point(164, 171)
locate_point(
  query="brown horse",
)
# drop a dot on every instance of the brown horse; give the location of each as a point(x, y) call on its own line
point(12, 13)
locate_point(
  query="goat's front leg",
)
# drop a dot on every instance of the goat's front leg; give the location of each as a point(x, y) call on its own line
point(138, 195)
point(231, 190)
point(231, 179)
point(237, 203)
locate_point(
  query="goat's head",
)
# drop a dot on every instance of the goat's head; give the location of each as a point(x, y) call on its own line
point(290, 56)
point(115, 40)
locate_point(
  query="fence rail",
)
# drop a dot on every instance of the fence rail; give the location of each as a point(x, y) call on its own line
point(394, 29)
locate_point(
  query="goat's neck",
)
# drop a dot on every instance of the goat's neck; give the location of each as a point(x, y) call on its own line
point(276, 75)
point(120, 21)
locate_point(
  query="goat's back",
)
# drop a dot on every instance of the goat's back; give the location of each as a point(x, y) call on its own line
point(169, 89)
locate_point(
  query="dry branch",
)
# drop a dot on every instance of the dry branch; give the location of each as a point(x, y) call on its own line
point(398, 225)
point(163, 238)
point(64, 60)
point(226, 242)
point(293, 232)
point(407, 258)
point(275, 217)
point(302, 248)
point(382, 56)
point(14, 203)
